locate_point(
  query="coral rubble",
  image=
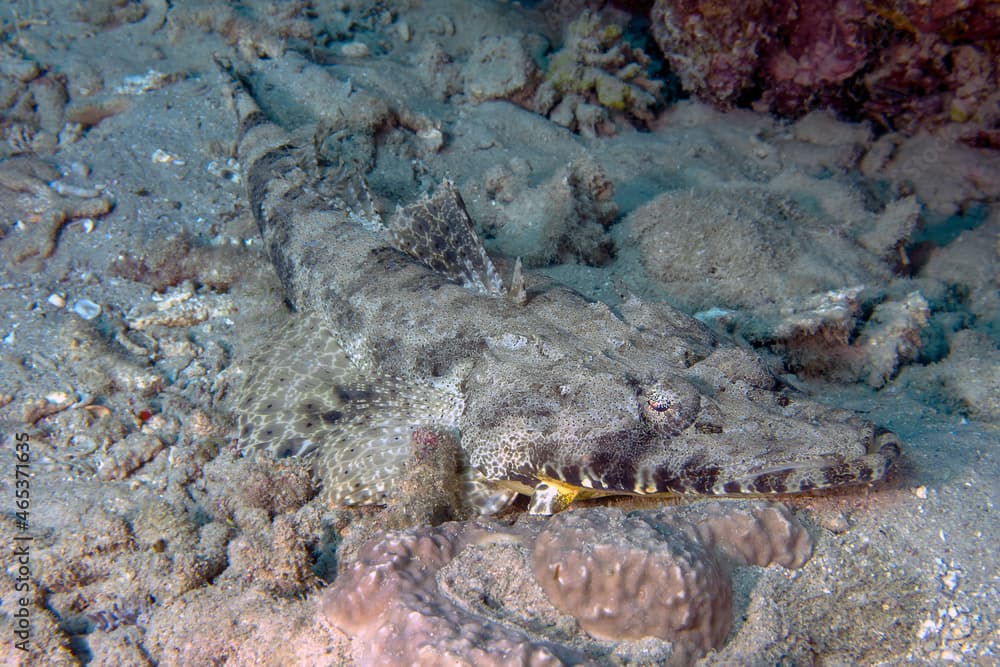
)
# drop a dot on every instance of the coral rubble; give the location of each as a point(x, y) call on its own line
point(595, 74)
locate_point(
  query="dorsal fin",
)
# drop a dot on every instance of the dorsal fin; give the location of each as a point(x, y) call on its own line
point(437, 231)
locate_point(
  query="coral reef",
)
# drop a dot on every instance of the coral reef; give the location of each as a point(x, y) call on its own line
point(906, 65)
point(938, 67)
point(814, 53)
point(442, 77)
point(428, 493)
point(417, 596)
point(101, 569)
point(275, 555)
point(715, 47)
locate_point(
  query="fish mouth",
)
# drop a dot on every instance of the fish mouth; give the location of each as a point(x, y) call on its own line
point(814, 475)
point(702, 477)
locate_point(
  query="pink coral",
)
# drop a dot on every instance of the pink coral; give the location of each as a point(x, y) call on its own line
point(625, 578)
point(389, 602)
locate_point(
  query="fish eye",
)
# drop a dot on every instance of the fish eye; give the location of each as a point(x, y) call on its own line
point(670, 410)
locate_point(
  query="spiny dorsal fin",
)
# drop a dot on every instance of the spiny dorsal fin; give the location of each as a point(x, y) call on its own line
point(437, 231)
point(517, 292)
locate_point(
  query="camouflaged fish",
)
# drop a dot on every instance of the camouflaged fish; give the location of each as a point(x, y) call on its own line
point(405, 324)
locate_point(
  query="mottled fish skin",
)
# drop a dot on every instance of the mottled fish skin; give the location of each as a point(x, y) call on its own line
point(553, 395)
point(308, 399)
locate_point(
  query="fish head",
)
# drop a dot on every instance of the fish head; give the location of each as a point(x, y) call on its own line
point(545, 415)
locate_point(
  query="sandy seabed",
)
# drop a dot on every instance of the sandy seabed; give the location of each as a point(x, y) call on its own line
point(133, 286)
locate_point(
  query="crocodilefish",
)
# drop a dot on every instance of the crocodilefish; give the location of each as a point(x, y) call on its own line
point(403, 323)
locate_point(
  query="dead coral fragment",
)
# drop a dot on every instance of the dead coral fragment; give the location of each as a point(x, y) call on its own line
point(30, 189)
point(180, 307)
point(892, 336)
point(596, 68)
point(276, 555)
point(563, 220)
point(500, 68)
point(128, 455)
point(277, 487)
point(821, 340)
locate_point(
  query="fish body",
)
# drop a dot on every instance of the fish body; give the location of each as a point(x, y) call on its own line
point(405, 324)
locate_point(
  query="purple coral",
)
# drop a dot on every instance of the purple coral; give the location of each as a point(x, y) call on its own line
point(713, 46)
point(649, 574)
point(625, 578)
point(809, 63)
point(388, 601)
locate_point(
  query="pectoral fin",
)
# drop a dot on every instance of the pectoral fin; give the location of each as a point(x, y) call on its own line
point(304, 398)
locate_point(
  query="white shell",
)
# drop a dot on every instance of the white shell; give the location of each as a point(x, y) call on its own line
point(87, 309)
